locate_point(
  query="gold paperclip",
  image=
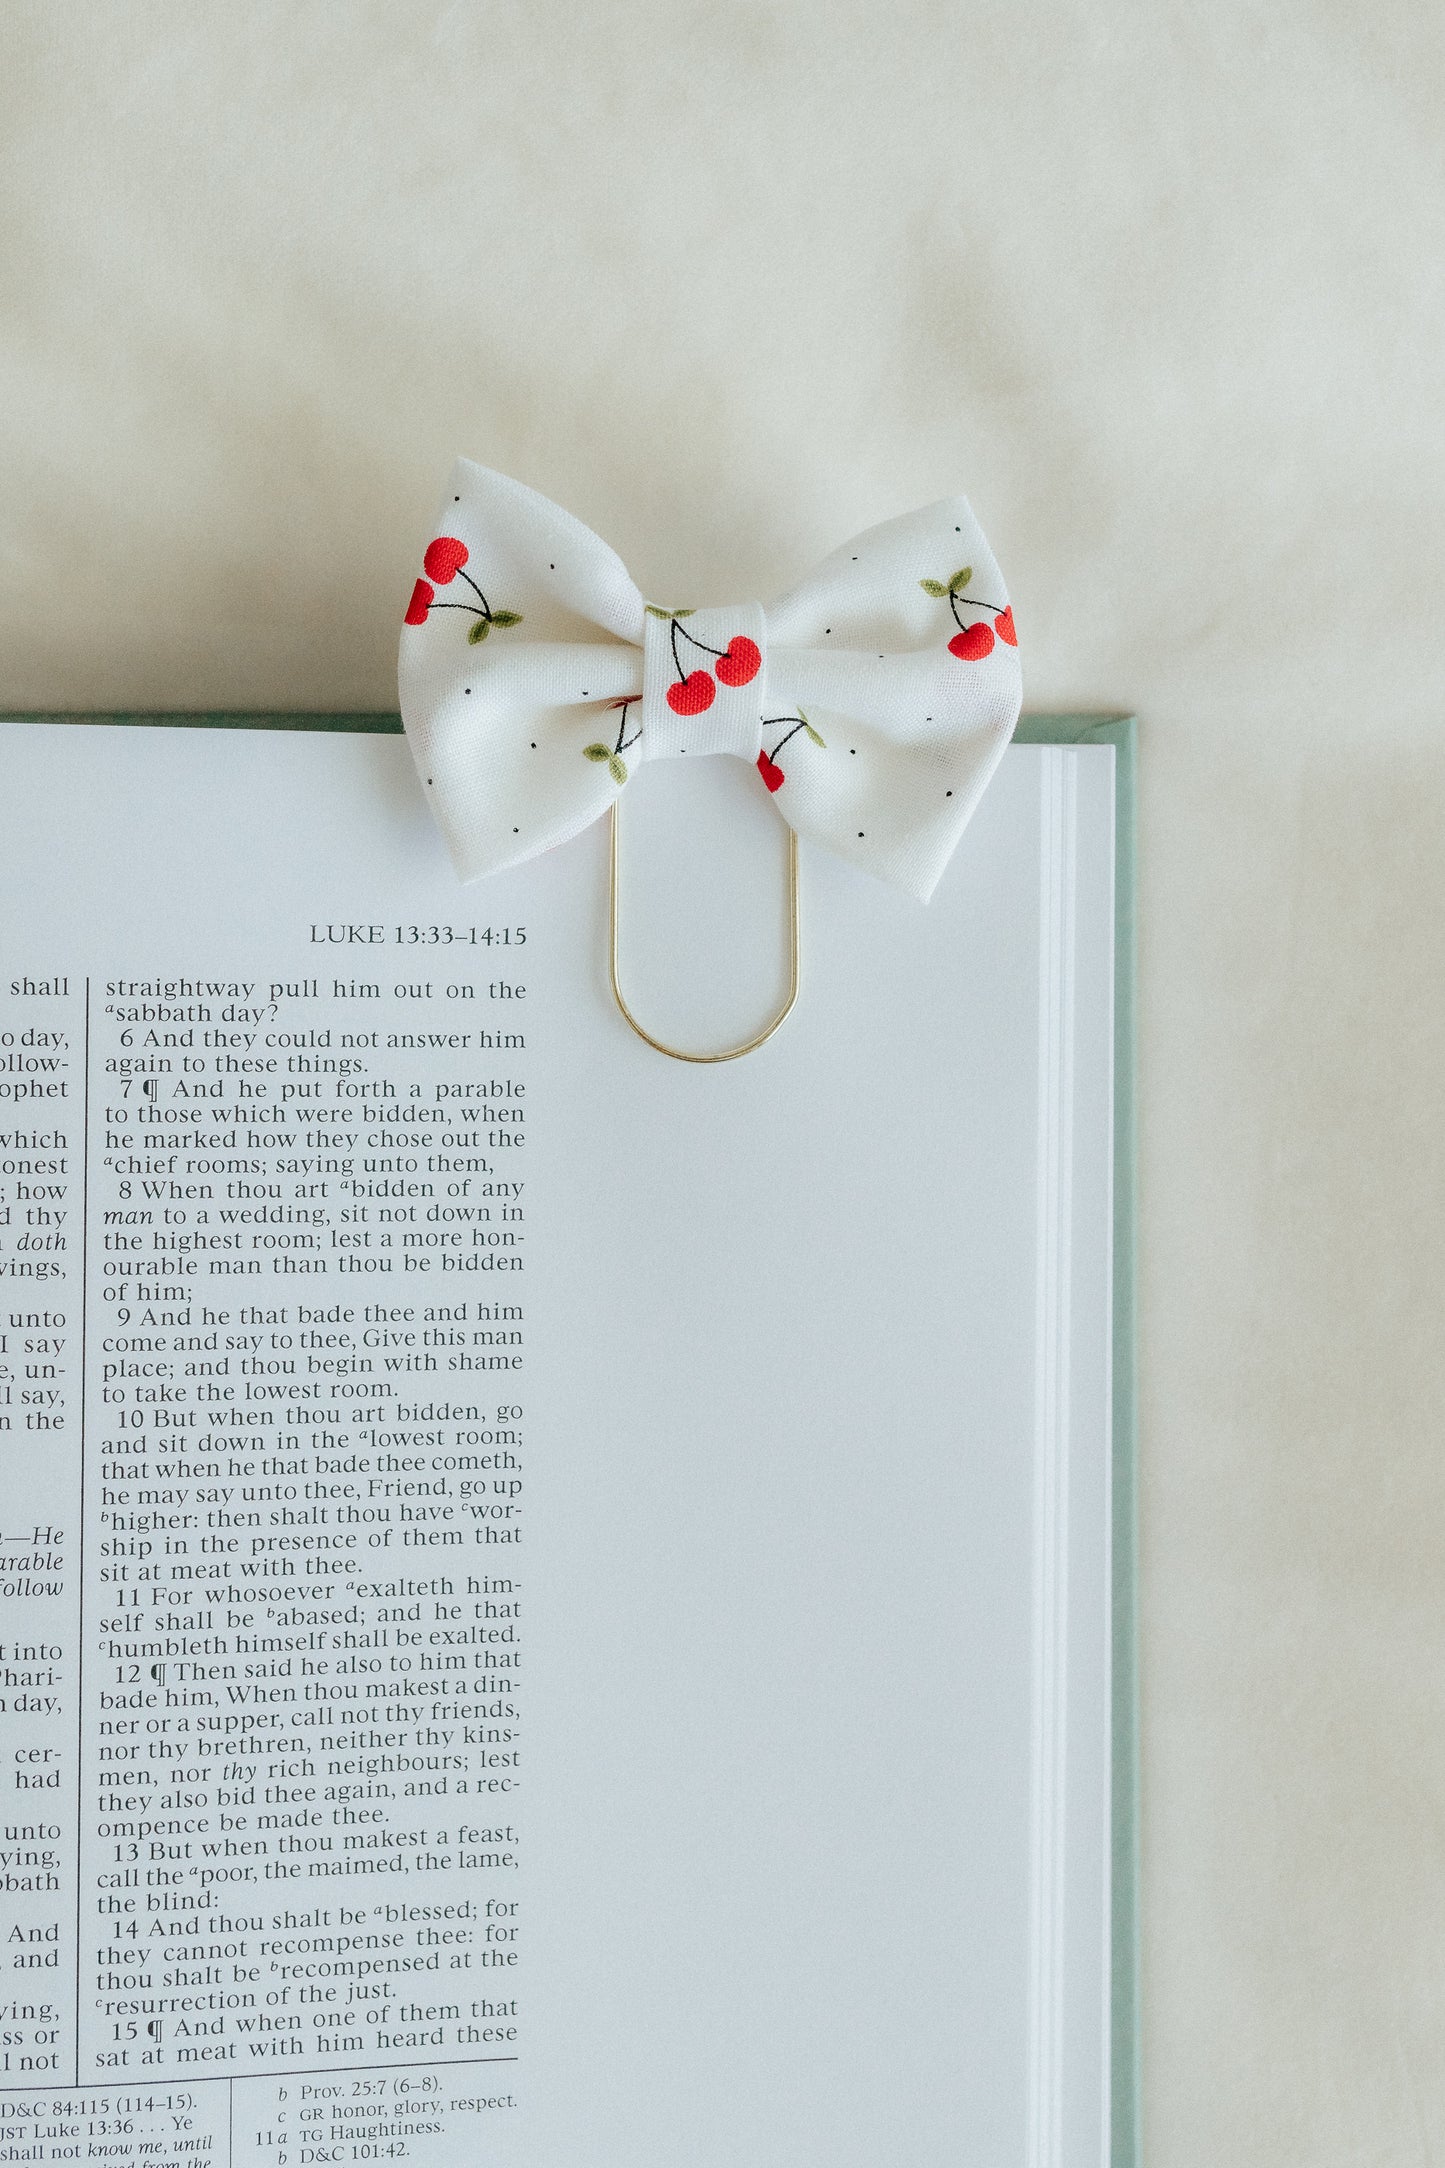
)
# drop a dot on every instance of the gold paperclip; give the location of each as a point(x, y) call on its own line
point(731, 1053)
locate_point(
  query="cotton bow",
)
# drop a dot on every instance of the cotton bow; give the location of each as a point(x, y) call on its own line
point(875, 699)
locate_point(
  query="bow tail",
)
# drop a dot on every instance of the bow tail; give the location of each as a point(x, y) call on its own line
point(902, 827)
point(889, 780)
point(519, 754)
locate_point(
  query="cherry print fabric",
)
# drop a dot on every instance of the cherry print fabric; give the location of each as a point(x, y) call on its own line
point(702, 682)
point(874, 699)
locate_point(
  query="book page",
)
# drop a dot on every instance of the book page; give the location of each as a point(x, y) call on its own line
point(553, 1604)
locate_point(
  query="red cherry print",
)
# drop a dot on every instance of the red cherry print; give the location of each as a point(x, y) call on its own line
point(692, 694)
point(444, 559)
point(741, 663)
point(770, 772)
point(1004, 626)
point(422, 598)
point(973, 643)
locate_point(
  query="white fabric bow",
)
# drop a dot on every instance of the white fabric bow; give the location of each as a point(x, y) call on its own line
point(875, 699)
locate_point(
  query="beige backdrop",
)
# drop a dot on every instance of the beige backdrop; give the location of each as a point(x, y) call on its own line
point(1160, 286)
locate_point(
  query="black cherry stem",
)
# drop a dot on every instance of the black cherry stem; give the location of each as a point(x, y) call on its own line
point(692, 636)
point(620, 747)
point(769, 720)
point(954, 600)
point(486, 606)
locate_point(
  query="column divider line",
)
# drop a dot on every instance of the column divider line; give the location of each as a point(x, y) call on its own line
point(80, 1546)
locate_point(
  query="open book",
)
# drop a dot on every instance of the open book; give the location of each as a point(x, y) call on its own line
point(557, 1610)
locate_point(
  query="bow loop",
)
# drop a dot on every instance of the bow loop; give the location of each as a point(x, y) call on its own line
point(875, 698)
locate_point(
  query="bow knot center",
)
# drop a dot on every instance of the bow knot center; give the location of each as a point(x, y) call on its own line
point(703, 675)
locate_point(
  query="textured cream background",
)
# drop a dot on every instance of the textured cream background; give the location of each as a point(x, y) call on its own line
point(1161, 287)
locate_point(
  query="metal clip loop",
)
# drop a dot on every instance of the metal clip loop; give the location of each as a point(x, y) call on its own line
point(749, 1046)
